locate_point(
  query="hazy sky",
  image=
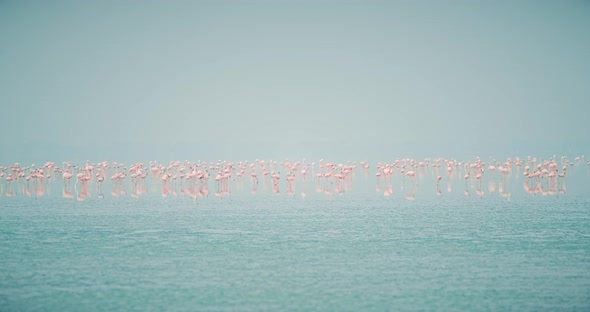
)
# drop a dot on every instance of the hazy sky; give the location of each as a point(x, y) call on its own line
point(163, 80)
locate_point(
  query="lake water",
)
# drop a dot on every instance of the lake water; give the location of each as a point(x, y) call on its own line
point(359, 251)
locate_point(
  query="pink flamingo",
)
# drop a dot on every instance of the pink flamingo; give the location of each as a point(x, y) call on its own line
point(412, 175)
point(290, 179)
point(275, 182)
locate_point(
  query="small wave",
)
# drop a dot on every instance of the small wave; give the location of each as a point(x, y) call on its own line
point(223, 232)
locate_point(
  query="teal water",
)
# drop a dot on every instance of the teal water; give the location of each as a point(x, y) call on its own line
point(253, 253)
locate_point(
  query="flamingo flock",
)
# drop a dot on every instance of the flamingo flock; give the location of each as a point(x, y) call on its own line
point(402, 177)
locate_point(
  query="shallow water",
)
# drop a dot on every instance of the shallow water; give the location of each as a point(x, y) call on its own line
point(274, 253)
point(354, 251)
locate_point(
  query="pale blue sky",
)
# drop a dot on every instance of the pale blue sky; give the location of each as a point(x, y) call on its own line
point(140, 80)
